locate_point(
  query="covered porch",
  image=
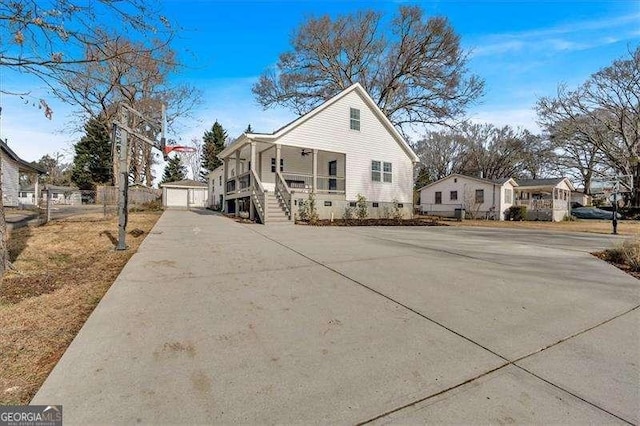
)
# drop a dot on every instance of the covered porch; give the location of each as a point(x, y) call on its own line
point(258, 173)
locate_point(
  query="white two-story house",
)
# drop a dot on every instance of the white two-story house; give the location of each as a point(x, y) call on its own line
point(344, 148)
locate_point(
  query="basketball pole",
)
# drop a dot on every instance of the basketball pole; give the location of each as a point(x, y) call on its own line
point(614, 219)
point(123, 157)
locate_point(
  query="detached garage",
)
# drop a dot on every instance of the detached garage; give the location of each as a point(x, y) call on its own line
point(184, 194)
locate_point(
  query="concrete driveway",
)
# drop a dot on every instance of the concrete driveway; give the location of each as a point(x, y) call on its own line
point(217, 322)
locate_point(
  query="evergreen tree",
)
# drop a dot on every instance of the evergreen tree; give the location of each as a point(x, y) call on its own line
point(214, 141)
point(174, 170)
point(92, 163)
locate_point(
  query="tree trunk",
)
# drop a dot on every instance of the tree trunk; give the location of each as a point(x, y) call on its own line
point(4, 252)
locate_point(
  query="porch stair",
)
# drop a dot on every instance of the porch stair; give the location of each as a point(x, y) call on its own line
point(275, 210)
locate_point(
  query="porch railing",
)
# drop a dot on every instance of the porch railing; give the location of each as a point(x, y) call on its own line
point(283, 193)
point(544, 204)
point(298, 182)
point(231, 185)
point(244, 180)
point(258, 196)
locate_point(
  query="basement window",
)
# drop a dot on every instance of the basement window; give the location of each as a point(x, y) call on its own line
point(327, 203)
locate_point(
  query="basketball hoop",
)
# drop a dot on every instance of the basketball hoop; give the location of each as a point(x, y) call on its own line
point(178, 148)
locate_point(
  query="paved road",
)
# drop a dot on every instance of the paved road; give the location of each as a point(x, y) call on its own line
point(216, 322)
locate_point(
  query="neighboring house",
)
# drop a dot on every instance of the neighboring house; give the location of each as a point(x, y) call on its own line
point(12, 167)
point(545, 199)
point(184, 194)
point(343, 148)
point(216, 191)
point(68, 195)
point(480, 198)
point(579, 197)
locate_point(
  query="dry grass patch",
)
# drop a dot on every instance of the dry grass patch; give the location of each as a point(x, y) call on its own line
point(62, 270)
point(625, 256)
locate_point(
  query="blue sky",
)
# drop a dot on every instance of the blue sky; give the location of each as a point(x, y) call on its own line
point(521, 49)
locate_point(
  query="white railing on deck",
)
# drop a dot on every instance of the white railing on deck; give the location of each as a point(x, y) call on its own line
point(299, 182)
point(283, 193)
point(258, 196)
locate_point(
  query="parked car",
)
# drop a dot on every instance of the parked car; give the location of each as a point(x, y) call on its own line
point(593, 213)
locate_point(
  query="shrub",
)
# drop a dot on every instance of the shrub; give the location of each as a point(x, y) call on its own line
point(517, 213)
point(386, 213)
point(308, 211)
point(348, 213)
point(627, 253)
point(361, 207)
point(397, 212)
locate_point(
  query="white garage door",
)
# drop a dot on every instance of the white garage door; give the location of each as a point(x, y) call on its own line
point(198, 197)
point(176, 197)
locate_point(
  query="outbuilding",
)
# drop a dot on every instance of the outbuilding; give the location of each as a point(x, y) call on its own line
point(184, 194)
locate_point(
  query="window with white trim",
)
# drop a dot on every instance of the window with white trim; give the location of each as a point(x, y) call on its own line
point(376, 171)
point(387, 173)
point(354, 119)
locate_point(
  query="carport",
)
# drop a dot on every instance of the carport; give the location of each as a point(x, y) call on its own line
point(184, 194)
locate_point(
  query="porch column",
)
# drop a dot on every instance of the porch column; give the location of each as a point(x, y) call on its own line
point(253, 157)
point(237, 179)
point(314, 182)
point(225, 173)
point(278, 156)
point(252, 167)
point(36, 187)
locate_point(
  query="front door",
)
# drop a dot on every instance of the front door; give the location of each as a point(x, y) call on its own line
point(333, 171)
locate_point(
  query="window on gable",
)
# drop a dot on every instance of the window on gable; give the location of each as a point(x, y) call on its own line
point(438, 197)
point(376, 171)
point(453, 195)
point(354, 122)
point(479, 196)
point(387, 172)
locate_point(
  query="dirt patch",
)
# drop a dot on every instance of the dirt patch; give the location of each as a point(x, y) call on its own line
point(377, 222)
point(62, 270)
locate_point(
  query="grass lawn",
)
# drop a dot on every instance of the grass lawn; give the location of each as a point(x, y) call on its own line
point(625, 227)
point(62, 270)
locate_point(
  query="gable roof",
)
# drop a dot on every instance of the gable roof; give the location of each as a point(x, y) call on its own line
point(499, 182)
point(20, 161)
point(357, 87)
point(185, 183)
point(544, 182)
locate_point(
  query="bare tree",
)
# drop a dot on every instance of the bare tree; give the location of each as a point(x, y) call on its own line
point(603, 112)
point(49, 39)
point(137, 77)
point(416, 71)
point(484, 150)
point(193, 160)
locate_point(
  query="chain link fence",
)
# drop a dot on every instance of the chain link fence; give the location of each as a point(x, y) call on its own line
point(56, 203)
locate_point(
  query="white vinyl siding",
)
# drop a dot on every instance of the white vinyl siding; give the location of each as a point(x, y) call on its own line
point(327, 131)
point(508, 195)
point(354, 119)
point(10, 178)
